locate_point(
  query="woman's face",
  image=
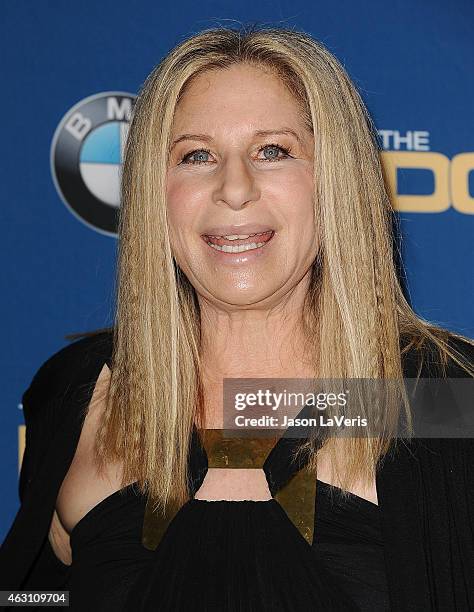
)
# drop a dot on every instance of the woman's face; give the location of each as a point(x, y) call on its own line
point(241, 162)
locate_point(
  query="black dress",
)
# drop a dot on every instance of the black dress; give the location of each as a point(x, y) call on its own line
point(425, 490)
point(227, 556)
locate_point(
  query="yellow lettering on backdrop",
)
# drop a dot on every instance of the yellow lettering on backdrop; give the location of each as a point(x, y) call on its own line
point(461, 165)
point(438, 201)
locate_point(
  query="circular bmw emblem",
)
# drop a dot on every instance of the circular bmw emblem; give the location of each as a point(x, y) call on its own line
point(86, 158)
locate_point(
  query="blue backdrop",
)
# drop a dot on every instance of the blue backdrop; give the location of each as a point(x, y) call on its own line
point(70, 71)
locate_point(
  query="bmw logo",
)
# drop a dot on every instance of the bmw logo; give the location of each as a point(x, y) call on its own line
point(86, 158)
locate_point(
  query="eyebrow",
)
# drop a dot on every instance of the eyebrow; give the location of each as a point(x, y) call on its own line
point(259, 133)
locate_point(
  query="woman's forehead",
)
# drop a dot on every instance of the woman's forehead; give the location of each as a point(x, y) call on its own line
point(235, 82)
point(242, 98)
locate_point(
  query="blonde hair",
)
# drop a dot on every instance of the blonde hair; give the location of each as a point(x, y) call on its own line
point(354, 307)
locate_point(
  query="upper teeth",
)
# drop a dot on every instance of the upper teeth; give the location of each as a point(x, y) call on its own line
point(238, 236)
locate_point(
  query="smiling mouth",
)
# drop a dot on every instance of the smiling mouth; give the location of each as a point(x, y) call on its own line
point(239, 243)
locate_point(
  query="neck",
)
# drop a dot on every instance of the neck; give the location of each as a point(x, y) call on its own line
point(255, 344)
point(252, 344)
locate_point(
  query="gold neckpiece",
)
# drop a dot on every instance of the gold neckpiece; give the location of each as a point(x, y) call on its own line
point(297, 496)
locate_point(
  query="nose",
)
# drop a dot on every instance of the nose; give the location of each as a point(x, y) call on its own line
point(236, 183)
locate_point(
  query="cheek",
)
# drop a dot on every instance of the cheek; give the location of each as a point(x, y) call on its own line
point(293, 184)
point(181, 204)
point(294, 194)
point(302, 197)
point(299, 213)
point(175, 195)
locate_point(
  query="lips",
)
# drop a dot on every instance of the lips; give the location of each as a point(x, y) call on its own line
point(253, 238)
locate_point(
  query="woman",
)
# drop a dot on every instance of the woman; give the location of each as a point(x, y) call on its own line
point(255, 241)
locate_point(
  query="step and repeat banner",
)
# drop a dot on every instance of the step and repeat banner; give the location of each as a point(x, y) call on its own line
point(70, 74)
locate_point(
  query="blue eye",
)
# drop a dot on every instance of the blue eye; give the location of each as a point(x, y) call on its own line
point(197, 151)
point(275, 147)
point(187, 159)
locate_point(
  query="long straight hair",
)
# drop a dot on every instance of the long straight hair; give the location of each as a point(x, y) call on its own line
point(355, 316)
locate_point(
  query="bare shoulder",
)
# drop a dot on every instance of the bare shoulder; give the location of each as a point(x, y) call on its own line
point(83, 487)
point(44, 396)
point(41, 401)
